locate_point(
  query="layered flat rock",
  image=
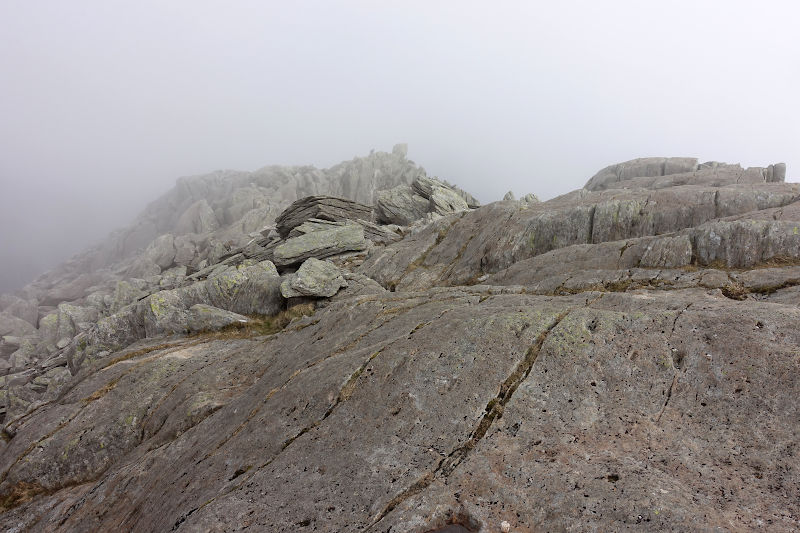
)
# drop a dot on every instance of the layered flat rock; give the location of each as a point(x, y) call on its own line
point(320, 244)
point(400, 205)
point(463, 247)
point(326, 208)
point(662, 172)
point(405, 204)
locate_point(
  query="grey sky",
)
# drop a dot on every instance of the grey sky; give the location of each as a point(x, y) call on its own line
point(104, 103)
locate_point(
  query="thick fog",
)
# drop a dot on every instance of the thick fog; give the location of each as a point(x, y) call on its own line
point(104, 103)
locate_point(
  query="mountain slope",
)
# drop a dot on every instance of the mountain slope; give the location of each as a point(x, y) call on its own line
point(614, 359)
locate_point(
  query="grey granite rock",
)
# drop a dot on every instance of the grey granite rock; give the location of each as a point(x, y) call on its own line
point(470, 396)
point(320, 244)
point(323, 208)
point(644, 167)
point(444, 201)
point(313, 278)
point(400, 205)
point(12, 325)
point(626, 355)
point(202, 317)
point(25, 309)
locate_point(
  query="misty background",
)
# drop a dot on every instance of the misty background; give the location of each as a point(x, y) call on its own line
point(105, 103)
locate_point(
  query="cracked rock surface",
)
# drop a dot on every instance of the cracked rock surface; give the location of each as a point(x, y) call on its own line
point(623, 357)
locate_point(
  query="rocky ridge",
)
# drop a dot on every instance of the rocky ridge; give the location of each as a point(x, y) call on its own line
point(620, 357)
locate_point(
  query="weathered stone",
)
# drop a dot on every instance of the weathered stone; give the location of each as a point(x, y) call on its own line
point(20, 308)
point(320, 244)
point(201, 317)
point(425, 187)
point(173, 277)
point(397, 360)
point(382, 234)
point(400, 205)
point(645, 167)
point(445, 201)
point(652, 322)
point(197, 218)
point(492, 238)
point(72, 289)
point(185, 250)
point(8, 345)
point(127, 292)
point(779, 172)
point(162, 251)
point(509, 197)
point(530, 198)
point(11, 325)
point(313, 278)
point(320, 207)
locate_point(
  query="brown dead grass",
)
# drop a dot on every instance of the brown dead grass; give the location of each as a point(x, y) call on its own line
point(20, 493)
point(259, 325)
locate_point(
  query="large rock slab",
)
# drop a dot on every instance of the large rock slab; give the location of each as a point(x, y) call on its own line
point(643, 167)
point(320, 244)
point(535, 388)
point(659, 173)
point(465, 247)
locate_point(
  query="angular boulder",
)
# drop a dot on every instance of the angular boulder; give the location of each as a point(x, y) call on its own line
point(444, 201)
point(316, 278)
point(162, 251)
point(20, 308)
point(400, 205)
point(11, 325)
point(198, 218)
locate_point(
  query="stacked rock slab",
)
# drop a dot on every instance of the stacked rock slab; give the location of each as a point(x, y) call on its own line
point(320, 244)
point(403, 205)
point(323, 208)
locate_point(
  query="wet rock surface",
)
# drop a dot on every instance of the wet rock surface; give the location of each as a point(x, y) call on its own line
point(623, 357)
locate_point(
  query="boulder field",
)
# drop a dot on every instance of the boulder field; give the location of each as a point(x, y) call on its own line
point(386, 355)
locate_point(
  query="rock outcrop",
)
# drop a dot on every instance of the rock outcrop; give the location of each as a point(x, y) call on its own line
point(404, 205)
point(320, 244)
point(622, 357)
point(326, 208)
